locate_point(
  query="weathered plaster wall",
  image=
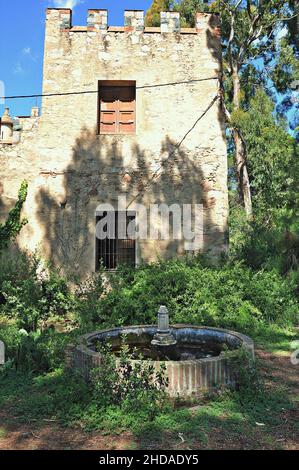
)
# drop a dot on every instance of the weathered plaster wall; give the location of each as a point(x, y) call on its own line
point(71, 169)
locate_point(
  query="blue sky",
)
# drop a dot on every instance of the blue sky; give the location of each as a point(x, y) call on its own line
point(22, 24)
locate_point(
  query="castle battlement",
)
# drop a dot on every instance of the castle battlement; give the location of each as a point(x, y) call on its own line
point(97, 20)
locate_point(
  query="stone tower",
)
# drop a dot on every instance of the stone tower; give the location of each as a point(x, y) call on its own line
point(6, 127)
point(128, 112)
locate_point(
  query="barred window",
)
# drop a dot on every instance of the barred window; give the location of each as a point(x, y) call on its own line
point(116, 248)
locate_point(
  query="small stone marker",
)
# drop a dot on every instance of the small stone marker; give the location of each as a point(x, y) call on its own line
point(2, 355)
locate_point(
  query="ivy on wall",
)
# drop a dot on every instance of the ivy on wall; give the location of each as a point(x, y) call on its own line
point(13, 224)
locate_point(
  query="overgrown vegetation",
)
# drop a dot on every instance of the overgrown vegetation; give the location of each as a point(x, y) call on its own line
point(132, 385)
point(13, 224)
point(228, 296)
point(253, 415)
point(36, 302)
point(40, 315)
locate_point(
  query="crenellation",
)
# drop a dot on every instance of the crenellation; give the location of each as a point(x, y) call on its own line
point(170, 22)
point(134, 20)
point(97, 20)
point(62, 17)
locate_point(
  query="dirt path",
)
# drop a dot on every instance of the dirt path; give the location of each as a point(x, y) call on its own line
point(276, 369)
point(50, 437)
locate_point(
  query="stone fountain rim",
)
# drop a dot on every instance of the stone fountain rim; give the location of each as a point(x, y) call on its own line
point(247, 342)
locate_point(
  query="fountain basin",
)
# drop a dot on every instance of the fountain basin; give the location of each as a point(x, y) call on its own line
point(201, 359)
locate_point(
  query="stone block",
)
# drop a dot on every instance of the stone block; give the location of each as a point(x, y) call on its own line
point(170, 22)
point(134, 20)
point(97, 20)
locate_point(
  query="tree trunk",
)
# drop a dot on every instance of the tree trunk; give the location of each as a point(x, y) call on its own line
point(240, 154)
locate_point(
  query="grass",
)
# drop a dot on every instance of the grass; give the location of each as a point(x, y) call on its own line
point(3, 433)
point(258, 303)
point(254, 418)
point(247, 419)
point(275, 339)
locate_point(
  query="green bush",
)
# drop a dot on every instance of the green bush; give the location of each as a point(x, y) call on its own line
point(32, 293)
point(88, 294)
point(32, 298)
point(231, 295)
point(38, 351)
point(131, 385)
point(9, 334)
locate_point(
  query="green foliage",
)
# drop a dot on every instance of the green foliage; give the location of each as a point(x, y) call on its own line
point(228, 296)
point(249, 381)
point(272, 157)
point(187, 9)
point(88, 293)
point(32, 293)
point(13, 225)
point(231, 295)
point(286, 68)
point(32, 299)
point(36, 351)
point(271, 238)
point(133, 384)
point(152, 17)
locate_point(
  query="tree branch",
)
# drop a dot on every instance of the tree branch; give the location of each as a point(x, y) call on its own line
point(249, 9)
point(286, 18)
point(237, 5)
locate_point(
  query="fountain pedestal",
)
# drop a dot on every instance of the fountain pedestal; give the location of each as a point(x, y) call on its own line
point(163, 337)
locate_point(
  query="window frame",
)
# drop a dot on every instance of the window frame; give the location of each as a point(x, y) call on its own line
point(100, 214)
point(116, 84)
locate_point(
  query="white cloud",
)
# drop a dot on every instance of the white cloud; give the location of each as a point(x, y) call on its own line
point(67, 3)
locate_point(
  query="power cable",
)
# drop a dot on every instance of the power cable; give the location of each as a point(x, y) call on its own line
point(156, 173)
point(47, 95)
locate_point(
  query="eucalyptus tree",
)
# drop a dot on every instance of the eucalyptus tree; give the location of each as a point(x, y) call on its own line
point(249, 29)
point(249, 34)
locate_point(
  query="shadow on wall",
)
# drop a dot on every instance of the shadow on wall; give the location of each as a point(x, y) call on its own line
point(98, 174)
point(2, 205)
point(214, 44)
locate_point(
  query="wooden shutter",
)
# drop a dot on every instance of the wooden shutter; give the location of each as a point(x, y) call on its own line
point(117, 110)
point(126, 110)
point(108, 111)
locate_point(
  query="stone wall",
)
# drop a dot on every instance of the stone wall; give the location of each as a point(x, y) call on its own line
point(71, 169)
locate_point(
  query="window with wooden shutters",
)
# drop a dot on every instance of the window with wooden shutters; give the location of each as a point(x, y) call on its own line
point(117, 249)
point(117, 101)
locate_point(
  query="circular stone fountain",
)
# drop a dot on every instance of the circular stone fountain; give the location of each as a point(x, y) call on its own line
point(197, 358)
